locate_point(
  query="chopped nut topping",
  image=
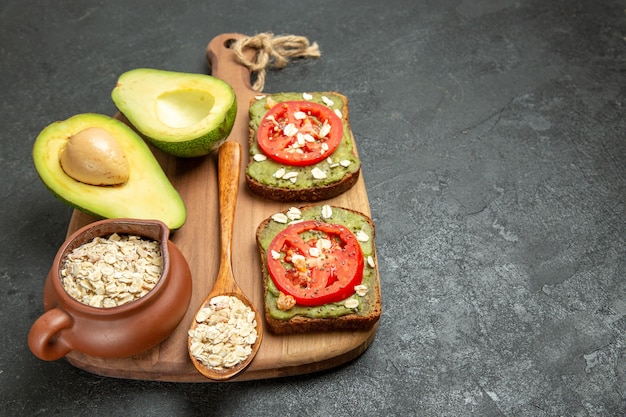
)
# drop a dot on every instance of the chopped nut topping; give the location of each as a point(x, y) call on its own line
point(269, 103)
point(285, 302)
point(307, 96)
point(259, 157)
point(299, 262)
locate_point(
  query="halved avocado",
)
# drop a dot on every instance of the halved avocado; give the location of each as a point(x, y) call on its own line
point(139, 189)
point(183, 114)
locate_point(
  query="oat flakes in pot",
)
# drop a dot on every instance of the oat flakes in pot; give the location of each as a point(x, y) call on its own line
point(124, 326)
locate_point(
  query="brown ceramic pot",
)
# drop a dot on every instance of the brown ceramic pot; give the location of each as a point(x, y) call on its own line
point(125, 330)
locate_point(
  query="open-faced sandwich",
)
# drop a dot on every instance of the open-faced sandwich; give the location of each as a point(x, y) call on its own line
point(301, 147)
point(319, 270)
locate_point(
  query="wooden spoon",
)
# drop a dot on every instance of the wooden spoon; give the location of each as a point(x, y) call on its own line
point(229, 161)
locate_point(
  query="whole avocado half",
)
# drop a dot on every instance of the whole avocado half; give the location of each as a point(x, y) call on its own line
point(146, 194)
point(183, 114)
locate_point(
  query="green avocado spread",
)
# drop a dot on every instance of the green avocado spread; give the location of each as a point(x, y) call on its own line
point(344, 160)
point(360, 226)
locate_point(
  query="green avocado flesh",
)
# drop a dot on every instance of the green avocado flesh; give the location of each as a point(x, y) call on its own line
point(263, 171)
point(355, 222)
point(147, 194)
point(183, 114)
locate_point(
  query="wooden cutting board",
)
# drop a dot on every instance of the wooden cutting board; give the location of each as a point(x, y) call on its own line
point(198, 240)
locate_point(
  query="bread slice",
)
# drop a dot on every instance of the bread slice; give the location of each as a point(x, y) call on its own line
point(342, 168)
point(328, 317)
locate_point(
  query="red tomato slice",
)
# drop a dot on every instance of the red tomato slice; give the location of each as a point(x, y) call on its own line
point(299, 132)
point(322, 269)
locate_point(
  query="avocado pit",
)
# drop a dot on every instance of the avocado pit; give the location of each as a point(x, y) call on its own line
point(94, 156)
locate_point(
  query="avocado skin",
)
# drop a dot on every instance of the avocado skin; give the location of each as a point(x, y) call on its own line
point(138, 93)
point(148, 193)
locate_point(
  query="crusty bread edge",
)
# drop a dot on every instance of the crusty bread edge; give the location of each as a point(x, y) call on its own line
point(299, 324)
point(310, 194)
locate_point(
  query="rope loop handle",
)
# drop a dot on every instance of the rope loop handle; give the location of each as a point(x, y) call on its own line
point(272, 52)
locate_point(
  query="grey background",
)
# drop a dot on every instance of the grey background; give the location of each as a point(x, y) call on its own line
point(492, 135)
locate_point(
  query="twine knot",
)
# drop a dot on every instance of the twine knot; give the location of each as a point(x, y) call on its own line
point(272, 52)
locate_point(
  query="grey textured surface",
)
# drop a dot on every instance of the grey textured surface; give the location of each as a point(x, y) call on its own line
point(493, 142)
